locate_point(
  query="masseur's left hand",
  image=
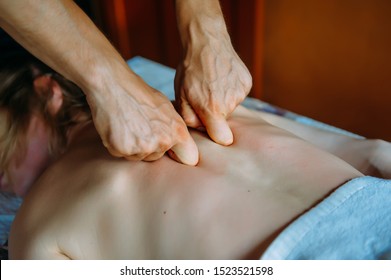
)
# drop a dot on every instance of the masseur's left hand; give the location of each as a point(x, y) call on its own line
point(211, 80)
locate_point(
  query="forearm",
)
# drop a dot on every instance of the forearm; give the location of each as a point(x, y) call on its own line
point(61, 35)
point(200, 21)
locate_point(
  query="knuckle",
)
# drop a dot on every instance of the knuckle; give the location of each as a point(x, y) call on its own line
point(146, 148)
point(122, 147)
point(230, 107)
point(248, 82)
point(114, 152)
point(180, 132)
point(154, 156)
point(190, 120)
point(134, 157)
point(164, 144)
point(212, 105)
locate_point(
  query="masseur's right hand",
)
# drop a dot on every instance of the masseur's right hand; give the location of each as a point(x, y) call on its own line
point(138, 122)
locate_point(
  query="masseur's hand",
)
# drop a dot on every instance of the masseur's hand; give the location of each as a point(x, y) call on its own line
point(137, 122)
point(211, 80)
point(133, 120)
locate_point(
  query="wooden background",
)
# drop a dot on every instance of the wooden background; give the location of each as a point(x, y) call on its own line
point(329, 60)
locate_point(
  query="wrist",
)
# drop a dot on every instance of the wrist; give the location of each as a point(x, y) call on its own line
point(199, 22)
point(204, 27)
point(104, 75)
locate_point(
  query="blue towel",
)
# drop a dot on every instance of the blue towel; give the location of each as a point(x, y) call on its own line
point(354, 222)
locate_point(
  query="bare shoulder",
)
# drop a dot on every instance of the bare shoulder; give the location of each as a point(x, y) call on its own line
point(68, 198)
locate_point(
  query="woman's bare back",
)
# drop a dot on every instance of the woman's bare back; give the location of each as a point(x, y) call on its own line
point(89, 205)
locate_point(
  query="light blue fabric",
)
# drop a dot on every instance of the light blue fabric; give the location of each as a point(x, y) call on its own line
point(9, 204)
point(354, 222)
point(154, 74)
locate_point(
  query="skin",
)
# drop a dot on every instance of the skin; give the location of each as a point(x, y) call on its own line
point(233, 203)
point(134, 120)
point(211, 80)
point(370, 156)
point(228, 207)
point(24, 171)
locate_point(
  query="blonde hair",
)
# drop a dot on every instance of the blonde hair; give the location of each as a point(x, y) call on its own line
point(18, 97)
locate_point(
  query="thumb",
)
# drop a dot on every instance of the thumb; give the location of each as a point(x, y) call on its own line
point(185, 152)
point(218, 130)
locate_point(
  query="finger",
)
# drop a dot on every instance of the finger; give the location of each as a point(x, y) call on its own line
point(154, 156)
point(132, 157)
point(113, 152)
point(185, 152)
point(189, 116)
point(136, 157)
point(218, 130)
